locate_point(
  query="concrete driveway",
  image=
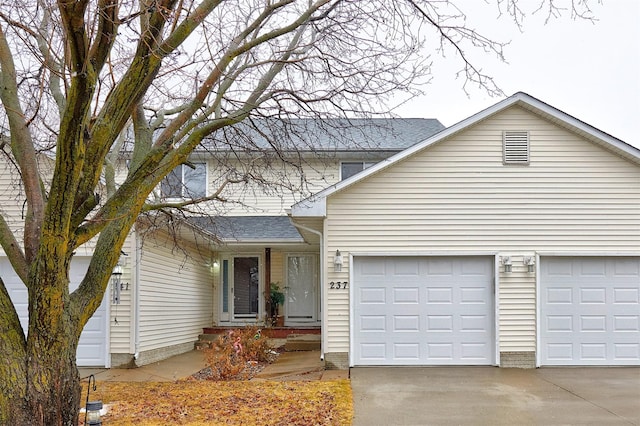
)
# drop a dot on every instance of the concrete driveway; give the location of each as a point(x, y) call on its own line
point(495, 396)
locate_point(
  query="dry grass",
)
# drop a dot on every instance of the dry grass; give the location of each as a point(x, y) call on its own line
point(227, 403)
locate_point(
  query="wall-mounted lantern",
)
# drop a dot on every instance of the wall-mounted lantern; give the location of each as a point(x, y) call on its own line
point(337, 261)
point(506, 263)
point(116, 282)
point(531, 263)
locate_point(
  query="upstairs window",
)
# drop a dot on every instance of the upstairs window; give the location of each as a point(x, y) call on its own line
point(351, 168)
point(185, 182)
point(515, 147)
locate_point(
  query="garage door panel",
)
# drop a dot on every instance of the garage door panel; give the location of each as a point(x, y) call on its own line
point(373, 295)
point(473, 295)
point(627, 352)
point(626, 295)
point(590, 316)
point(406, 295)
point(437, 311)
point(629, 323)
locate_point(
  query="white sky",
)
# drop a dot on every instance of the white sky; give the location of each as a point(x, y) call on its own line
point(590, 71)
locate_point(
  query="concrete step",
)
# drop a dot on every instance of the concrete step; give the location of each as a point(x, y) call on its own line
point(208, 337)
point(206, 341)
point(302, 342)
point(200, 345)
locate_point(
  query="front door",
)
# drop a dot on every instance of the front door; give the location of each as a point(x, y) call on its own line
point(302, 278)
point(246, 287)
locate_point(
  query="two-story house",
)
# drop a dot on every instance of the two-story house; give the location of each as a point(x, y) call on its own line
point(511, 238)
point(212, 265)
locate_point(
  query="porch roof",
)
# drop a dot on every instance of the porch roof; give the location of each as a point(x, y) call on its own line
point(249, 229)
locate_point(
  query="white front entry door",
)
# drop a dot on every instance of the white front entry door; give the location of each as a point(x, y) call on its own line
point(92, 347)
point(423, 311)
point(300, 290)
point(590, 311)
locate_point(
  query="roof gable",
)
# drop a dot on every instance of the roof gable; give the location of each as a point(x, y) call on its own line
point(315, 206)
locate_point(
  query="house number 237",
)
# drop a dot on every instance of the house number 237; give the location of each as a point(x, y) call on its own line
point(337, 285)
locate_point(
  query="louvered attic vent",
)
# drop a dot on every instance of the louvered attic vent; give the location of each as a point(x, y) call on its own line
point(515, 147)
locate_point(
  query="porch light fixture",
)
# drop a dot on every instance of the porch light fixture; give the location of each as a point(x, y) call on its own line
point(116, 281)
point(506, 262)
point(531, 263)
point(337, 261)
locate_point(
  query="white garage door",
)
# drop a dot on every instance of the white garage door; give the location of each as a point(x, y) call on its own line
point(590, 311)
point(423, 311)
point(92, 348)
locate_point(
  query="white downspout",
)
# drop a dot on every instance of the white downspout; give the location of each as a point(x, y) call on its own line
point(136, 303)
point(322, 264)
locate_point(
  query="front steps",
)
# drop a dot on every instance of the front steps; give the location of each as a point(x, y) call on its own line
point(302, 342)
point(292, 338)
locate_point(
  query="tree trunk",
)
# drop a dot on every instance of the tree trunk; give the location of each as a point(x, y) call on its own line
point(53, 387)
point(51, 395)
point(48, 394)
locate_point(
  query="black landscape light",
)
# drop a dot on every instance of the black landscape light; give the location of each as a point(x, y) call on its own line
point(92, 408)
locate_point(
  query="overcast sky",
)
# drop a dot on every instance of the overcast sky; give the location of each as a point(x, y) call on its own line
point(588, 70)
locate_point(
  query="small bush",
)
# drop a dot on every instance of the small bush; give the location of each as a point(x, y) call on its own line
point(238, 349)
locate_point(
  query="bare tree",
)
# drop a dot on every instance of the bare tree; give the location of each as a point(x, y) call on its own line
point(80, 79)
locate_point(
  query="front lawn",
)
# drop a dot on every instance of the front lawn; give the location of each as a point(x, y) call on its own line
point(226, 403)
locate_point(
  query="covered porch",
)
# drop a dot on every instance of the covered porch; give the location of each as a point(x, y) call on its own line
point(266, 273)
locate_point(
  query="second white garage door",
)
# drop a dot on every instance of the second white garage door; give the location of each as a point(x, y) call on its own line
point(590, 311)
point(423, 311)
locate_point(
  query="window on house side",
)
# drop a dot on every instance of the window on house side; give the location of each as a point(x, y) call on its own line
point(350, 168)
point(185, 182)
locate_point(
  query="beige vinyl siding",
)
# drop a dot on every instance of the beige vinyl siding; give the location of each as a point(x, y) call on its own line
point(457, 196)
point(176, 295)
point(517, 313)
point(255, 199)
point(11, 201)
point(121, 327)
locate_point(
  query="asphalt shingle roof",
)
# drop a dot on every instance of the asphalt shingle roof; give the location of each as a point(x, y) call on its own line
point(248, 228)
point(383, 134)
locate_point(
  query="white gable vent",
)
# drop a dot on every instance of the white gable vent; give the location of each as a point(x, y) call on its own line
point(515, 147)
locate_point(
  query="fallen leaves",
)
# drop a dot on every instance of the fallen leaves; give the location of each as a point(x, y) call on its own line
point(227, 403)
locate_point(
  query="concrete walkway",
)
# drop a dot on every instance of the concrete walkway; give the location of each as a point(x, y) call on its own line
point(168, 370)
point(299, 366)
point(495, 396)
point(305, 365)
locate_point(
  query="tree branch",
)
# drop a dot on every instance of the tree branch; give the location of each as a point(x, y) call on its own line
point(23, 150)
